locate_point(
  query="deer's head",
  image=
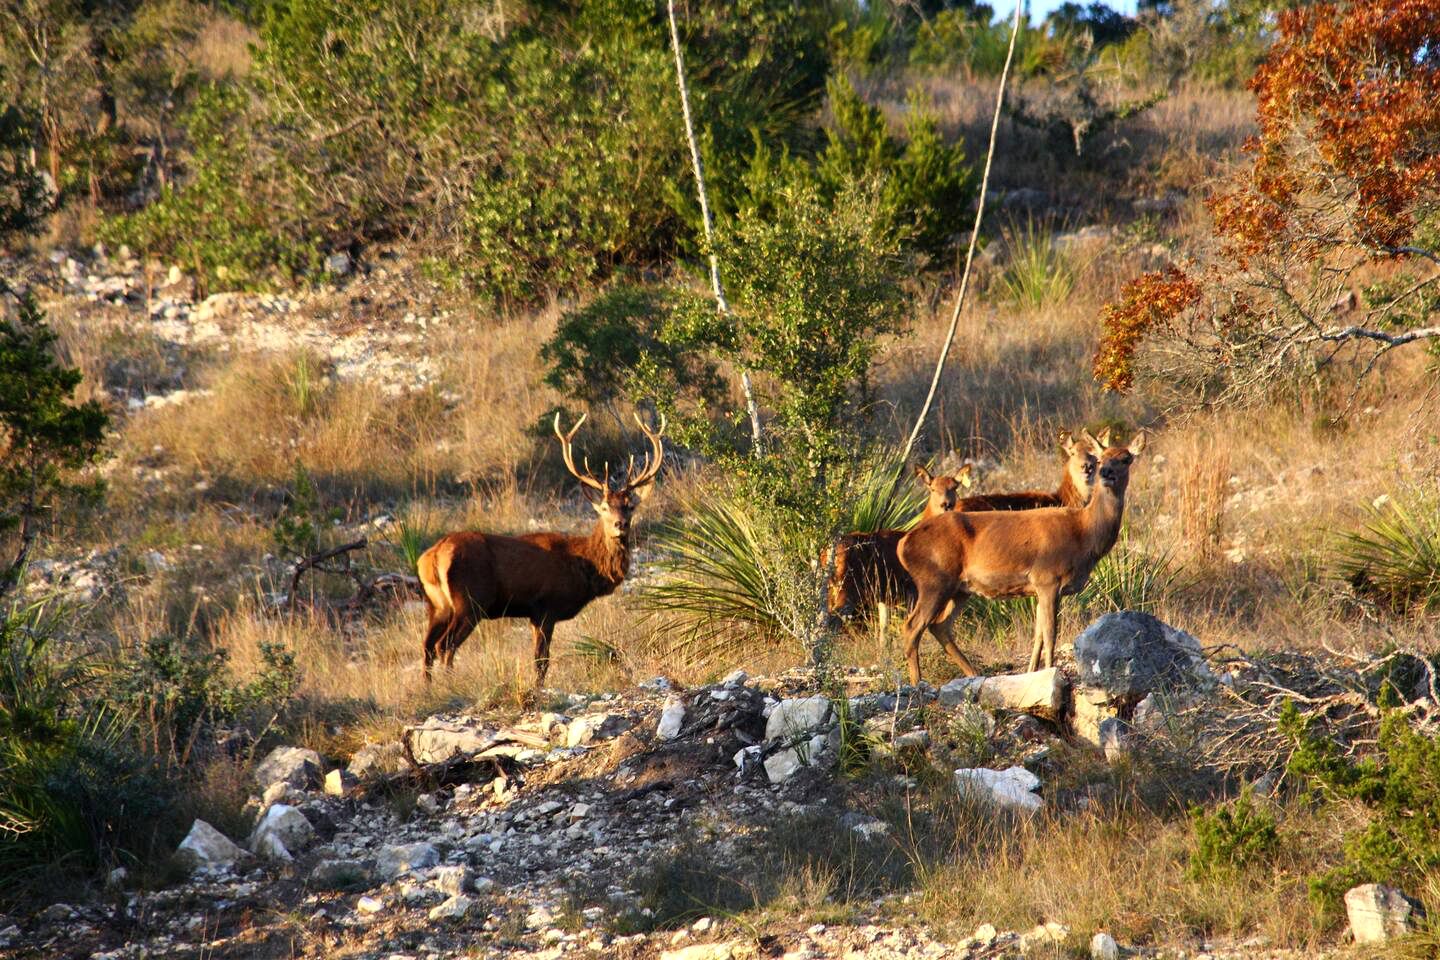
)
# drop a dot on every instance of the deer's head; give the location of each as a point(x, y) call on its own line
point(944, 490)
point(1114, 470)
point(1082, 457)
point(616, 506)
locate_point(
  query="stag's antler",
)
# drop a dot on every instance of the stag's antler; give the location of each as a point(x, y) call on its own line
point(653, 460)
point(602, 485)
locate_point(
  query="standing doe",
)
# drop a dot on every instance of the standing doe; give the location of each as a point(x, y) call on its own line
point(544, 577)
point(1046, 553)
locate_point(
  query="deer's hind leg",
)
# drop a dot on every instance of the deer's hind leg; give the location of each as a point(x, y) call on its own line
point(434, 633)
point(542, 631)
point(928, 607)
point(464, 617)
point(943, 631)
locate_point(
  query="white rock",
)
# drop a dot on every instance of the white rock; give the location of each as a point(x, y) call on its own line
point(736, 678)
point(1045, 934)
point(378, 758)
point(205, 846)
point(296, 766)
point(436, 740)
point(671, 719)
point(595, 726)
point(985, 934)
point(370, 905)
point(1104, 947)
point(427, 803)
point(274, 793)
point(282, 827)
point(456, 908)
point(451, 880)
point(340, 783)
point(1378, 913)
point(796, 718)
point(704, 951)
point(339, 263)
point(1012, 788)
point(397, 860)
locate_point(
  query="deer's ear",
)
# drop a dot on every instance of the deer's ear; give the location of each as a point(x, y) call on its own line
point(1095, 445)
point(1067, 443)
point(1137, 444)
point(596, 497)
point(962, 476)
point(642, 492)
point(1105, 437)
point(923, 475)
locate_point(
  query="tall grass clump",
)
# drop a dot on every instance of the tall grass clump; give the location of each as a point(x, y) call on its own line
point(1038, 274)
point(1129, 578)
point(1395, 558)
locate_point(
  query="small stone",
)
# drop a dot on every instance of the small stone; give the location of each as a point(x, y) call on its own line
point(1012, 787)
point(370, 905)
point(282, 828)
point(735, 678)
point(427, 804)
point(595, 726)
point(796, 718)
point(205, 846)
point(340, 782)
point(339, 264)
point(1104, 947)
point(704, 951)
point(914, 740)
point(378, 758)
point(704, 924)
point(1378, 913)
point(397, 860)
point(451, 880)
point(116, 878)
point(985, 934)
point(274, 793)
point(672, 717)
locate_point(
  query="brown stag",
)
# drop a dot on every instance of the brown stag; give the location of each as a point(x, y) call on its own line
point(543, 577)
point(866, 570)
point(1046, 553)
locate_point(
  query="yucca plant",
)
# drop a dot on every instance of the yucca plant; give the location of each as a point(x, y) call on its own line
point(1129, 578)
point(1395, 558)
point(412, 535)
point(1037, 275)
point(735, 572)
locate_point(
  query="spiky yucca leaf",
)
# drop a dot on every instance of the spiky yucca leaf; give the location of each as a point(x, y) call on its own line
point(1395, 558)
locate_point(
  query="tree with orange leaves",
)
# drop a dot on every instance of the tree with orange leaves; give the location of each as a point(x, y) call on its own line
point(1329, 238)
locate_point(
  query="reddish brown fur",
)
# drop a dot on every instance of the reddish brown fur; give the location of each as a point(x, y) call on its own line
point(1046, 553)
point(545, 578)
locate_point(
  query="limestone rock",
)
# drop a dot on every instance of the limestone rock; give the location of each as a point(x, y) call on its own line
point(793, 719)
point(1012, 788)
point(1041, 692)
point(672, 718)
point(398, 860)
point(340, 783)
point(1378, 913)
point(204, 846)
point(282, 831)
point(1130, 654)
point(455, 908)
point(377, 759)
point(595, 726)
point(705, 951)
point(451, 880)
point(436, 740)
point(294, 766)
point(1104, 947)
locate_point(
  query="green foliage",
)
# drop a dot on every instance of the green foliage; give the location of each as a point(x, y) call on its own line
point(922, 186)
point(72, 797)
point(1236, 835)
point(1398, 787)
point(298, 528)
point(625, 346)
point(1395, 559)
point(1402, 301)
point(1037, 275)
point(1128, 578)
point(22, 191)
point(177, 697)
point(45, 437)
point(241, 220)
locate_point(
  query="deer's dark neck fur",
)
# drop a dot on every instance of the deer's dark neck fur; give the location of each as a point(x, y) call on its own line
point(1100, 519)
point(609, 556)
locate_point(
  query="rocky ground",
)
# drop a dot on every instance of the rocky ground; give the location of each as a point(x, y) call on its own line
point(550, 835)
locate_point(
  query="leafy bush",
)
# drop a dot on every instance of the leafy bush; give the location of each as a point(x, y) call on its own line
point(1398, 788)
point(73, 797)
point(1395, 558)
point(1235, 835)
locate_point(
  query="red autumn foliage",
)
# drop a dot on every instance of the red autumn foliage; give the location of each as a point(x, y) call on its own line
point(1149, 301)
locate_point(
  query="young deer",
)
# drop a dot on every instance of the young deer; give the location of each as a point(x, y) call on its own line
point(867, 572)
point(1046, 553)
point(543, 577)
point(1074, 489)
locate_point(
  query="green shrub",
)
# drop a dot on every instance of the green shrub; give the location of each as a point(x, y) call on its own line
point(1398, 787)
point(1236, 835)
point(1395, 559)
point(74, 798)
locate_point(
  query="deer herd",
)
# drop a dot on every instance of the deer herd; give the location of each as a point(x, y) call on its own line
point(1032, 543)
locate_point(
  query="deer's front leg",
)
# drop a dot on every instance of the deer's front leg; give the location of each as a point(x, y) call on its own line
point(1047, 609)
